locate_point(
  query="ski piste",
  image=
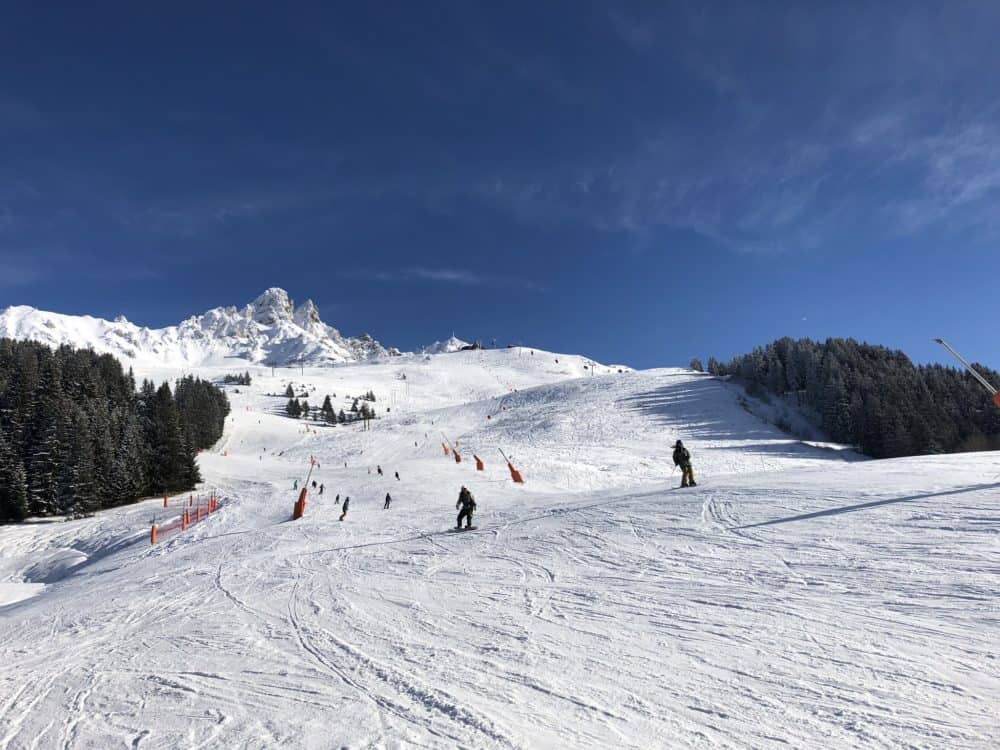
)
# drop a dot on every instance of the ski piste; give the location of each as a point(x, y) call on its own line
point(791, 597)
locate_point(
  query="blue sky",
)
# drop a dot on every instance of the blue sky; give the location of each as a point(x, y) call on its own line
point(638, 182)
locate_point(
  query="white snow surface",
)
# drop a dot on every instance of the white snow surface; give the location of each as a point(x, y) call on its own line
point(798, 597)
point(451, 344)
point(270, 330)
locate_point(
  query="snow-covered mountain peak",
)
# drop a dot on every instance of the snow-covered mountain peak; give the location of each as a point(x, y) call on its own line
point(307, 314)
point(272, 306)
point(270, 330)
point(452, 344)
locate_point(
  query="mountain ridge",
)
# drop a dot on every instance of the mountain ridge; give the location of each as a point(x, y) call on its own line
point(270, 330)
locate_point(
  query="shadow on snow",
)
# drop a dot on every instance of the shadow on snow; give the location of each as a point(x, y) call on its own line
point(865, 506)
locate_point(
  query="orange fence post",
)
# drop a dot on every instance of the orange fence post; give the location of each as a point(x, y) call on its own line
point(164, 501)
point(197, 514)
point(184, 520)
point(152, 534)
point(299, 509)
point(191, 500)
point(479, 462)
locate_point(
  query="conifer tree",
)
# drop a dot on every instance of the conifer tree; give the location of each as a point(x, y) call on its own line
point(327, 411)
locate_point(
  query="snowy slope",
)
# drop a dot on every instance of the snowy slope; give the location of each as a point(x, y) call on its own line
point(798, 597)
point(270, 330)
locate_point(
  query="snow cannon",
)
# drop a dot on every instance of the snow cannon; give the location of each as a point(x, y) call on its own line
point(515, 475)
point(973, 372)
point(299, 509)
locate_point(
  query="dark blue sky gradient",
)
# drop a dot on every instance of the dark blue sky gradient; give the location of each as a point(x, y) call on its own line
point(638, 182)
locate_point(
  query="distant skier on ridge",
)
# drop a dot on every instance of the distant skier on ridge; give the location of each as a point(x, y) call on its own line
point(682, 458)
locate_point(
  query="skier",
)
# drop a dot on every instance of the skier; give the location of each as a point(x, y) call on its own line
point(397, 476)
point(314, 484)
point(295, 484)
point(343, 508)
point(388, 499)
point(682, 458)
point(321, 489)
point(467, 503)
point(379, 470)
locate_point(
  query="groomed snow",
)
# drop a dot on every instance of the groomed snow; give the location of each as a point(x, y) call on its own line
point(798, 597)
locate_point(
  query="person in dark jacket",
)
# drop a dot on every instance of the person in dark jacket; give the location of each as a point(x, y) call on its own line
point(388, 499)
point(343, 508)
point(682, 458)
point(467, 503)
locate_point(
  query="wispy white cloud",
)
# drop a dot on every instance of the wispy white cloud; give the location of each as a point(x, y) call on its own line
point(455, 276)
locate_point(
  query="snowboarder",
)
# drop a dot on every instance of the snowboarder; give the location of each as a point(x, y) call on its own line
point(388, 499)
point(682, 458)
point(321, 489)
point(467, 503)
point(343, 508)
point(379, 470)
point(397, 476)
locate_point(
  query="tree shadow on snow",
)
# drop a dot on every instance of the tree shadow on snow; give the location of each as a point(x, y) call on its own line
point(704, 409)
point(790, 448)
point(865, 506)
